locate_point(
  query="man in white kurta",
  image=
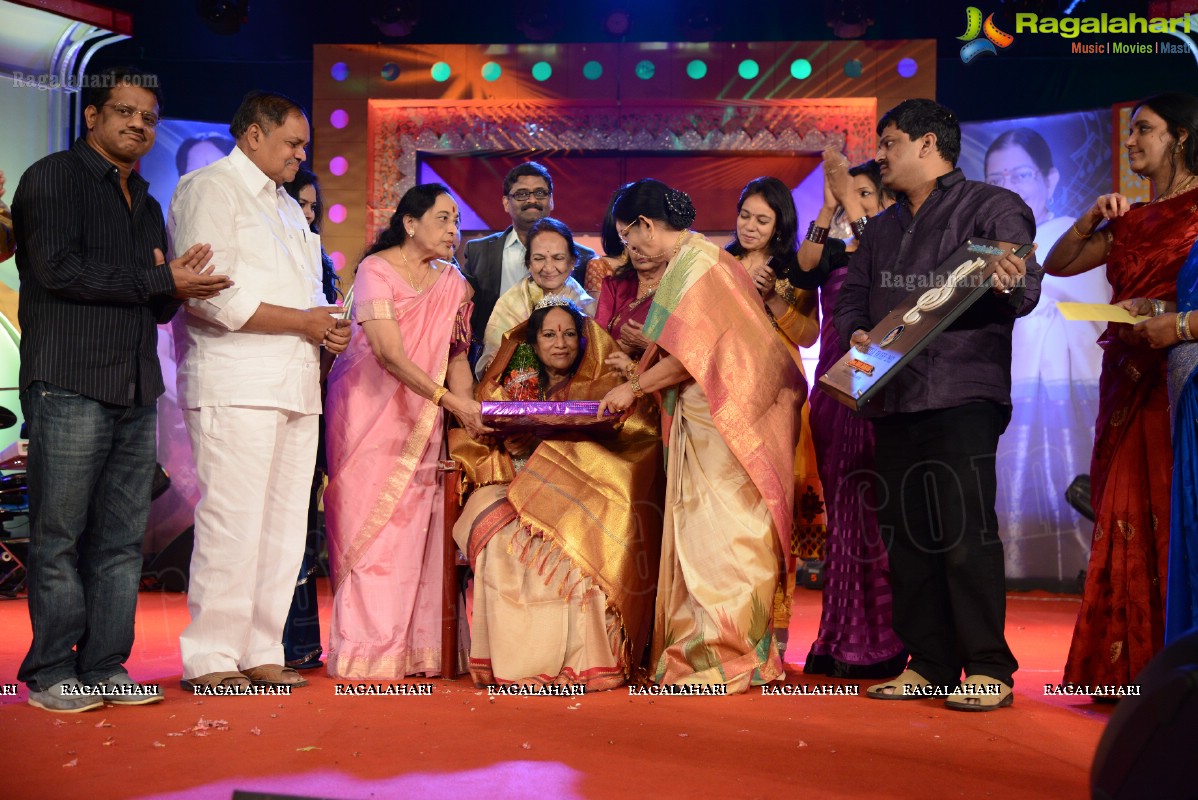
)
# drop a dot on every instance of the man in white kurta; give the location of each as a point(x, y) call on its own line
point(249, 387)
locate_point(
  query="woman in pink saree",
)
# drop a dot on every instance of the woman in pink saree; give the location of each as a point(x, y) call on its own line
point(383, 506)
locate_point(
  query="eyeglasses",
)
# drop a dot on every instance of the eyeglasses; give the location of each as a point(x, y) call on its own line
point(126, 112)
point(520, 195)
point(1020, 176)
point(623, 233)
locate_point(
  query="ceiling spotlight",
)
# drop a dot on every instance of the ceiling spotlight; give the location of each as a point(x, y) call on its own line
point(702, 19)
point(538, 20)
point(617, 23)
point(849, 19)
point(396, 18)
point(224, 17)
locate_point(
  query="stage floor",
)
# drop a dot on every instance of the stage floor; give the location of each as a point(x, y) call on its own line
point(457, 741)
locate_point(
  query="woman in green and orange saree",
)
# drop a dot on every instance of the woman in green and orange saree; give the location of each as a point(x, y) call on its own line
point(729, 394)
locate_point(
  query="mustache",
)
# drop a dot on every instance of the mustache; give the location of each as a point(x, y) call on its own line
point(527, 206)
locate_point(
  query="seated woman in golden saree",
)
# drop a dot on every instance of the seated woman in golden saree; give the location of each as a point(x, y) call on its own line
point(563, 532)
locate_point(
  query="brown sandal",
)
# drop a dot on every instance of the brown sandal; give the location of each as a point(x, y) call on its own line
point(274, 675)
point(231, 680)
point(980, 693)
point(908, 686)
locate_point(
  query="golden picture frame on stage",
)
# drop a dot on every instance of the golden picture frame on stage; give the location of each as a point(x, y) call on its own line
point(956, 285)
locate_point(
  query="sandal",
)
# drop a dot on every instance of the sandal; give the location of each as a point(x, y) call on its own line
point(274, 675)
point(230, 680)
point(898, 689)
point(980, 693)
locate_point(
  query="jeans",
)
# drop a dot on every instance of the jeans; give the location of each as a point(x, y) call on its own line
point(90, 469)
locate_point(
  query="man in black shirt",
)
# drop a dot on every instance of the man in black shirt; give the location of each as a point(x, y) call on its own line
point(937, 424)
point(94, 285)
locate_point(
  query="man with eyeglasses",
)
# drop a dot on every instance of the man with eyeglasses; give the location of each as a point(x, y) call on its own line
point(94, 286)
point(495, 263)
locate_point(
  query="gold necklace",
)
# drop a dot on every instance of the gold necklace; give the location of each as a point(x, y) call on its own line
point(1176, 191)
point(408, 269)
point(646, 288)
point(678, 245)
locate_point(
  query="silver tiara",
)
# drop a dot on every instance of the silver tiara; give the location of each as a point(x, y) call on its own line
point(550, 300)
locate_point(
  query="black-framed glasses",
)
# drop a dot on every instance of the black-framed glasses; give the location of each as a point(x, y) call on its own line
point(520, 195)
point(126, 112)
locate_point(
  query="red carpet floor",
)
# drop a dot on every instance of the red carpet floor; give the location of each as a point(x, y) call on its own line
point(458, 742)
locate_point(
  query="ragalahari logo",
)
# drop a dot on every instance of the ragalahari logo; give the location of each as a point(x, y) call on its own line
point(974, 27)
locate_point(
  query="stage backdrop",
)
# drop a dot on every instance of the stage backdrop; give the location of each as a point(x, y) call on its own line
point(1058, 165)
point(181, 146)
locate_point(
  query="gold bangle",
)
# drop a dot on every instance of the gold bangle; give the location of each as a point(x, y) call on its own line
point(1078, 231)
point(631, 367)
point(440, 393)
point(635, 382)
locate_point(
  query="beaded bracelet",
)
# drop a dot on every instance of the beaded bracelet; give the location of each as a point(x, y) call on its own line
point(858, 226)
point(816, 234)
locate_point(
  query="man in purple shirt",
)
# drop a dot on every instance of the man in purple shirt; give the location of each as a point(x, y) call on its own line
point(938, 421)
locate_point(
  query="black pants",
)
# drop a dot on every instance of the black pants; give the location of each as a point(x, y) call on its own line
point(936, 490)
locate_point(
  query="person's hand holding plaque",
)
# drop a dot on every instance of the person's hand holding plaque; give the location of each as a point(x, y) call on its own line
point(860, 340)
point(1010, 271)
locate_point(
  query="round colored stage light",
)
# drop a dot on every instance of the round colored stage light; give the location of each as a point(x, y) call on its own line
point(339, 118)
point(491, 71)
point(697, 69)
point(748, 69)
point(390, 71)
point(592, 70)
point(340, 71)
point(337, 213)
point(542, 70)
point(440, 72)
point(853, 68)
point(338, 260)
point(645, 70)
point(907, 67)
point(338, 166)
point(800, 69)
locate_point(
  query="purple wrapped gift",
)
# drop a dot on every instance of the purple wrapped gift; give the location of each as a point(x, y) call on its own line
point(519, 416)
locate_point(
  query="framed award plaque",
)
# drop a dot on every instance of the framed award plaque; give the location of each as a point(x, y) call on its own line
point(960, 280)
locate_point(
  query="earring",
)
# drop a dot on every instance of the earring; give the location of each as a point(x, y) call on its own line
point(410, 233)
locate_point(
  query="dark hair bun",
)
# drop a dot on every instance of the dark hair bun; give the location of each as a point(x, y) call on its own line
point(680, 211)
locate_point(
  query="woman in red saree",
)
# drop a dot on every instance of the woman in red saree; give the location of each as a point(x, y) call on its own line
point(1121, 623)
point(729, 391)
